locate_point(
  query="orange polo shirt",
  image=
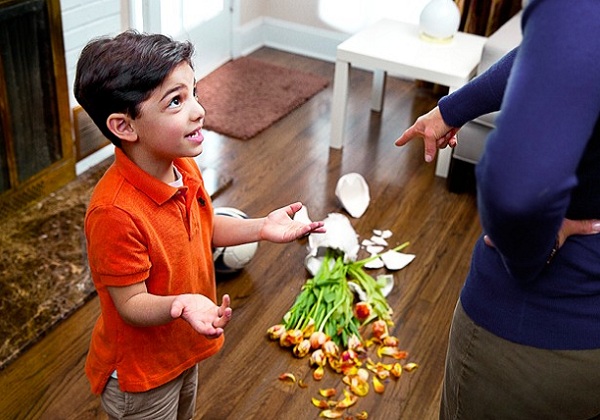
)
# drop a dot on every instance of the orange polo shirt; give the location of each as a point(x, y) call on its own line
point(140, 229)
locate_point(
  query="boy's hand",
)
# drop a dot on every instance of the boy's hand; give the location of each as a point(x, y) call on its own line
point(202, 314)
point(279, 226)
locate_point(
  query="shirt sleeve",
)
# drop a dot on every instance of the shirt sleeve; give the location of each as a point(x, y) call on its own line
point(117, 252)
point(550, 107)
point(480, 96)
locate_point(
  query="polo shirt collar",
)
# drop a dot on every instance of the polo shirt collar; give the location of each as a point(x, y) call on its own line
point(146, 183)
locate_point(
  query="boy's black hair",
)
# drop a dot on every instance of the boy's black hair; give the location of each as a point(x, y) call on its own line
point(115, 75)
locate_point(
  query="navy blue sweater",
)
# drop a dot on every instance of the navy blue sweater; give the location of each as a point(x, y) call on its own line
point(540, 165)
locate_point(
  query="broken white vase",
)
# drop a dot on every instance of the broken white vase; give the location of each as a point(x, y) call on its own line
point(353, 192)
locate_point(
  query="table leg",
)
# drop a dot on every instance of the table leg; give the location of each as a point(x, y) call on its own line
point(442, 165)
point(379, 77)
point(338, 107)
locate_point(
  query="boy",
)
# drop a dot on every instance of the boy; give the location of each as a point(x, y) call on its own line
point(150, 229)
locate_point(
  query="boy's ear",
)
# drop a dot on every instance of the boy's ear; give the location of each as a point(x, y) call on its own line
point(120, 125)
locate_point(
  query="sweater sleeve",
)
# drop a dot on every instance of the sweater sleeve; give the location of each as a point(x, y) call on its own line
point(480, 96)
point(550, 107)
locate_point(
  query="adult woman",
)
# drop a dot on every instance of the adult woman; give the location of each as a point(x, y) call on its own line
point(525, 338)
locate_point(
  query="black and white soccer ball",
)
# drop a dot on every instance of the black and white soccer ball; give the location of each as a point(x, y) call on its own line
point(231, 259)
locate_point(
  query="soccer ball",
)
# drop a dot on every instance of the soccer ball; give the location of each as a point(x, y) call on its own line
point(231, 259)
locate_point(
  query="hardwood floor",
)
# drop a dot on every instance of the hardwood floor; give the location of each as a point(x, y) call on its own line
point(292, 161)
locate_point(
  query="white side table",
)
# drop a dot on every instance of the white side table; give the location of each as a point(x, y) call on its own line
point(390, 46)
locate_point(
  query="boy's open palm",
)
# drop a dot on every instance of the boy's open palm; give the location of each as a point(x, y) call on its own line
point(202, 314)
point(279, 225)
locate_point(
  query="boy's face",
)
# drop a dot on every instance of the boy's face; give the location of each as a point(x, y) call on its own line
point(171, 119)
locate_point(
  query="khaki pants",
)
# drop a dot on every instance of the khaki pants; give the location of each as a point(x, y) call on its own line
point(488, 377)
point(173, 400)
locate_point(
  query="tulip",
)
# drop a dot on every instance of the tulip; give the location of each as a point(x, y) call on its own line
point(301, 349)
point(362, 310)
point(380, 329)
point(390, 341)
point(317, 358)
point(317, 339)
point(355, 344)
point(331, 349)
point(276, 331)
point(309, 328)
point(358, 383)
point(335, 364)
point(348, 360)
point(291, 338)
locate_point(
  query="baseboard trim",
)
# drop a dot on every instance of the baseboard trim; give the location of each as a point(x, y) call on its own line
point(287, 36)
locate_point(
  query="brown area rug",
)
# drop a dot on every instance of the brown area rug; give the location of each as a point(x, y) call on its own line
point(43, 266)
point(245, 96)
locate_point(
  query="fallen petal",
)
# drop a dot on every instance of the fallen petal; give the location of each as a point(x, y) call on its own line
point(322, 404)
point(391, 341)
point(363, 415)
point(331, 414)
point(378, 385)
point(409, 367)
point(319, 373)
point(287, 377)
point(348, 401)
point(394, 352)
point(363, 374)
point(396, 370)
point(328, 392)
point(359, 387)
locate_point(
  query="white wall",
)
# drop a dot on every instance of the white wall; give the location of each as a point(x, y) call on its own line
point(312, 27)
point(83, 20)
point(309, 27)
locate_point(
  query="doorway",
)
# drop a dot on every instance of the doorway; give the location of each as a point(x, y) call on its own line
point(207, 24)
